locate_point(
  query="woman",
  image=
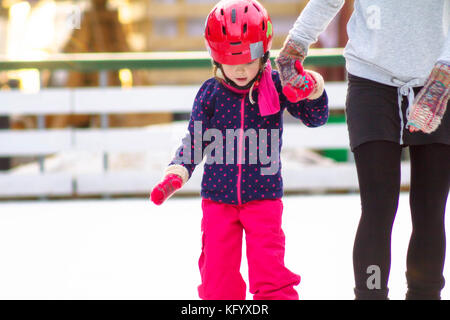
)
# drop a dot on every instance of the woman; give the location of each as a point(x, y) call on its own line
point(398, 63)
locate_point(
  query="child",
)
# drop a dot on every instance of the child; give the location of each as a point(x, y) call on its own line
point(244, 99)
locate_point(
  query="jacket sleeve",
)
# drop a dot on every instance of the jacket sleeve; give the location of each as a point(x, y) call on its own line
point(313, 20)
point(190, 153)
point(313, 113)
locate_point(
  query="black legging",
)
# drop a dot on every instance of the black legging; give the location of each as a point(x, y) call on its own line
point(378, 167)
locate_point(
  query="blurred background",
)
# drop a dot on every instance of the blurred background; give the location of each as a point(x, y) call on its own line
point(95, 96)
point(39, 28)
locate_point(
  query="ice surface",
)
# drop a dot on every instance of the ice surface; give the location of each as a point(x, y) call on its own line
point(132, 249)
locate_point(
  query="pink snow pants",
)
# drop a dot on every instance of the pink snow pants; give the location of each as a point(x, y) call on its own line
point(220, 260)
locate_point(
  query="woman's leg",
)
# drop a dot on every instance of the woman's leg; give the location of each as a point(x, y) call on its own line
point(430, 179)
point(220, 260)
point(378, 168)
point(268, 277)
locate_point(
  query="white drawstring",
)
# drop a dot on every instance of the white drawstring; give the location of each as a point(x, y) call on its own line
point(250, 94)
point(405, 89)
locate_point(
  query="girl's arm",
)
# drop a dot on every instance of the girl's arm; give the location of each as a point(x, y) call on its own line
point(313, 113)
point(190, 153)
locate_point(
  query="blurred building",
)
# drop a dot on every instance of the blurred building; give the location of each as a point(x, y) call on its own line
point(38, 28)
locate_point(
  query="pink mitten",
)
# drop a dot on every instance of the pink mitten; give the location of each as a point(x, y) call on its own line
point(305, 80)
point(163, 190)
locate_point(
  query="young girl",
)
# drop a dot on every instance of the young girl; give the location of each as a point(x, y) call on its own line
point(244, 99)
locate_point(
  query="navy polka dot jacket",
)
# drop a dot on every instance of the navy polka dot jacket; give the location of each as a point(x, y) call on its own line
point(240, 165)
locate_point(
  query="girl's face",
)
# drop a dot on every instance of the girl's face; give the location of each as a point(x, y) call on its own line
point(242, 74)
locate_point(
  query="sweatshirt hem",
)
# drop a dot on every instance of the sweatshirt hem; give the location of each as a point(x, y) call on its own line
point(374, 73)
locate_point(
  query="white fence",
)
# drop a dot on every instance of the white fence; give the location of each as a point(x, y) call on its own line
point(43, 142)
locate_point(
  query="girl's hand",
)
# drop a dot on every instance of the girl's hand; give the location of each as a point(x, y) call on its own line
point(166, 188)
point(308, 86)
point(311, 85)
point(431, 103)
point(291, 53)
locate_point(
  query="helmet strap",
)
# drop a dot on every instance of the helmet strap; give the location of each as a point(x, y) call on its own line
point(230, 82)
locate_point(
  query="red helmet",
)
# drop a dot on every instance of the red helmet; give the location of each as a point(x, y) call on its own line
point(238, 31)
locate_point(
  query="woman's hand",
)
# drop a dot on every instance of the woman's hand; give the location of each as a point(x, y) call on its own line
point(288, 56)
point(431, 103)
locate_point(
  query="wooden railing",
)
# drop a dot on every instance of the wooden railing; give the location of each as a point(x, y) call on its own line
point(46, 180)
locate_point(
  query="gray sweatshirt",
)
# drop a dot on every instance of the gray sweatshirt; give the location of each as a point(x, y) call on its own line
point(395, 42)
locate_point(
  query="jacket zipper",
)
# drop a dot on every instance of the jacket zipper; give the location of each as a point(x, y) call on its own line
point(240, 146)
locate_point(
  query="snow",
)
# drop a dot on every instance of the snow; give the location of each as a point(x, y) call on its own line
point(132, 249)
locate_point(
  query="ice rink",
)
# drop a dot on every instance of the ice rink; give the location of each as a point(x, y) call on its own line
point(132, 249)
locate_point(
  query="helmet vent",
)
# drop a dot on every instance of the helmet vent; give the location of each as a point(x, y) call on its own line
point(224, 31)
point(245, 28)
point(246, 9)
point(236, 53)
point(256, 7)
point(233, 15)
point(263, 25)
point(235, 43)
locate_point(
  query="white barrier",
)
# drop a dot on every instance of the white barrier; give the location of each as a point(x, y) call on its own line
point(35, 185)
point(47, 101)
point(44, 142)
point(117, 100)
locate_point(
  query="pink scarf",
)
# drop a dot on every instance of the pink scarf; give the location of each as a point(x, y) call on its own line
point(268, 98)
